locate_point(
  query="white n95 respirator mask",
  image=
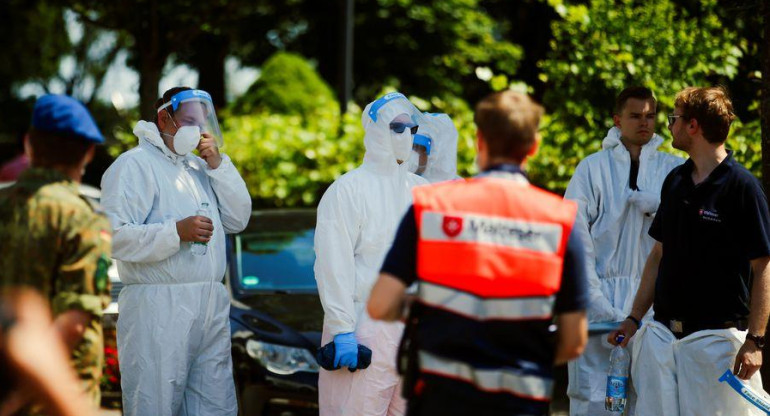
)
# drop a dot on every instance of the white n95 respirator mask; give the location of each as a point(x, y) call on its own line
point(186, 139)
point(402, 144)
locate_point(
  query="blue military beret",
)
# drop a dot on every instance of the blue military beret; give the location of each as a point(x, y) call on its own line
point(66, 116)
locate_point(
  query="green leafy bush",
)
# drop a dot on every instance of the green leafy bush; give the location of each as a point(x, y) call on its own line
point(289, 85)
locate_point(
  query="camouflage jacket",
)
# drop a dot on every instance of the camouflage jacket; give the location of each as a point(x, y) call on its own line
point(56, 242)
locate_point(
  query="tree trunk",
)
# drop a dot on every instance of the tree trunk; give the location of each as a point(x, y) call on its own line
point(149, 79)
point(211, 52)
point(151, 56)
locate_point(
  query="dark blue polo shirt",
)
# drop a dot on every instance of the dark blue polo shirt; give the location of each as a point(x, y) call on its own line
point(709, 232)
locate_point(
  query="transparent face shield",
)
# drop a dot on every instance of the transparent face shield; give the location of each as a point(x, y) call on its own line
point(194, 108)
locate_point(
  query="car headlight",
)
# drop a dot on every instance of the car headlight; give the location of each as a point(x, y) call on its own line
point(281, 359)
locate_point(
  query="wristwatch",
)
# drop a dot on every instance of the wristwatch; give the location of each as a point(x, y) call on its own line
point(759, 340)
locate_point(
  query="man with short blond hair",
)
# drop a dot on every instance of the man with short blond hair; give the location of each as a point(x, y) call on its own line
point(712, 251)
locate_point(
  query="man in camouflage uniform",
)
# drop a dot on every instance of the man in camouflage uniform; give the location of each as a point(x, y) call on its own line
point(56, 241)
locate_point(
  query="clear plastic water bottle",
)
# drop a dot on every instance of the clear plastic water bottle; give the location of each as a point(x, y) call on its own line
point(199, 248)
point(617, 378)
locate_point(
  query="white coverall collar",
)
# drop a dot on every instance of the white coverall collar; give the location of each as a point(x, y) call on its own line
point(148, 132)
point(612, 141)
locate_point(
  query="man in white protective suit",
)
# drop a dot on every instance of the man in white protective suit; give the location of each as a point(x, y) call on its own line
point(174, 328)
point(357, 219)
point(618, 192)
point(707, 276)
point(435, 148)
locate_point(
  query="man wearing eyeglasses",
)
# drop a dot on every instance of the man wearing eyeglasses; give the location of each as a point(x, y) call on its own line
point(617, 191)
point(357, 219)
point(711, 254)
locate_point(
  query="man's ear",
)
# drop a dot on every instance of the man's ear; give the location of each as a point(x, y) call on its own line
point(692, 126)
point(28, 147)
point(481, 144)
point(89, 156)
point(616, 120)
point(163, 119)
point(535, 146)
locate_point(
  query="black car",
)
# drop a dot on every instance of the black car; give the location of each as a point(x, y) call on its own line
point(276, 314)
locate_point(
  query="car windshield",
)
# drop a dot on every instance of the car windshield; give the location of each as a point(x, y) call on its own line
point(276, 252)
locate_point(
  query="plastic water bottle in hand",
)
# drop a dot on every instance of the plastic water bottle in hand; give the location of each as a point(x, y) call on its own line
point(617, 378)
point(199, 248)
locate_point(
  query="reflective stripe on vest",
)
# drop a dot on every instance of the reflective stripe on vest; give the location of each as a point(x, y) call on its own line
point(477, 308)
point(490, 380)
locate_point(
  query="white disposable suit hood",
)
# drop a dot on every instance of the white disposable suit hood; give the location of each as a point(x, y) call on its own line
point(442, 161)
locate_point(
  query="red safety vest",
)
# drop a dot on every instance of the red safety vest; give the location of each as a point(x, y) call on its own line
point(490, 248)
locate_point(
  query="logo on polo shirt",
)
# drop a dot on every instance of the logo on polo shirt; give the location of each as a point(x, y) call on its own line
point(711, 216)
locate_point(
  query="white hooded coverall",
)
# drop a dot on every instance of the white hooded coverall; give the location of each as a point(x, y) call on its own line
point(357, 220)
point(442, 161)
point(174, 328)
point(612, 223)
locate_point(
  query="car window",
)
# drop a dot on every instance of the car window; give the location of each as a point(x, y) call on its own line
point(276, 259)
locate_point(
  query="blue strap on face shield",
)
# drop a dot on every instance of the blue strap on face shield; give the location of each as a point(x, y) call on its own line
point(381, 102)
point(188, 94)
point(424, 141)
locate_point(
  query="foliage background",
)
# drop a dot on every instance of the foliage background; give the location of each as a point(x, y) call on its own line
point(290, 135)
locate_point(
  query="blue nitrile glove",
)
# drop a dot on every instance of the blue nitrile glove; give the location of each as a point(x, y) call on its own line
point(325, 357)
point(346, 350)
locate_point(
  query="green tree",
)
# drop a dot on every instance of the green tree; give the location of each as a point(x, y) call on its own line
point(605, 45)
point(36, 39)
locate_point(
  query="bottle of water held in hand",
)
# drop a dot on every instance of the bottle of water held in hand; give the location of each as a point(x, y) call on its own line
point(617, 378)
point(199, 248)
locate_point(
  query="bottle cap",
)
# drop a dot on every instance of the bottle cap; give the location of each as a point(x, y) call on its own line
point(619, 338)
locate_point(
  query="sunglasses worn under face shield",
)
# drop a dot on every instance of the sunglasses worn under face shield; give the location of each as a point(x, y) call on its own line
point(672, 119)
point(399, 127)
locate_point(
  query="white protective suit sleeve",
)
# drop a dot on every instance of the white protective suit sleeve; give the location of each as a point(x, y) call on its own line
point(232, 195)
point(581, 191)
point(335, 270)
point(127, 196)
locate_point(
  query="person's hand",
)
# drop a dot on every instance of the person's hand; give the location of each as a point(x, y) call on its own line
point(209, 151)
point(748, 360)
point(195, 228)
point(627, 328)
point(39, 358)
point(346, 350)
point(32, 345)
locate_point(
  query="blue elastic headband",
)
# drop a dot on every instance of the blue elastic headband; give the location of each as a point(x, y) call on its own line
point(423, 140)
point(381, 102)
point(188, 94)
